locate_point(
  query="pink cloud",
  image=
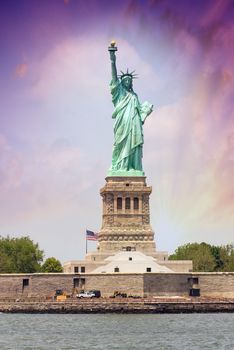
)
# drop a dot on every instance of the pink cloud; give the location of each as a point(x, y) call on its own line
point(11, 166)
point(21, 70)
point(74, 66)
point(192, 154)
point(4, 146)
point(188, 43)
point(40, 180)
point(224, 37)
point(215, 12)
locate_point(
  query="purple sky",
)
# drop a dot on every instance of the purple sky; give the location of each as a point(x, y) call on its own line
point(56, 130)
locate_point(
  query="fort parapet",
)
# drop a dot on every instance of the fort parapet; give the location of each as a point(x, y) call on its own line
point(43, 286)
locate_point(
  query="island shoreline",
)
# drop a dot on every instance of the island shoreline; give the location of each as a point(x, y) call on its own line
point(117, 305)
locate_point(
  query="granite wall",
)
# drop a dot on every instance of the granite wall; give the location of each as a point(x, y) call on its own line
point(147, 284)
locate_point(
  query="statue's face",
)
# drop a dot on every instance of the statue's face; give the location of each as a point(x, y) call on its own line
point(127, 83)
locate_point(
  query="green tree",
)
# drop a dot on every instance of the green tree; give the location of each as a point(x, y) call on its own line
point(19, 255)
point(206, 257)
point(224, 256)
point(52, 265)
point(216, 252)
point(6, 265)
point(199, 253)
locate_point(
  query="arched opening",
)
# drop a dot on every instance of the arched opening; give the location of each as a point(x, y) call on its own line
point(127, 203)
point(119, 203)
point(136, 203)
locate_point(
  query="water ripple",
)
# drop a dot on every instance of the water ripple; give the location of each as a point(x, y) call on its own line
point(116, 332)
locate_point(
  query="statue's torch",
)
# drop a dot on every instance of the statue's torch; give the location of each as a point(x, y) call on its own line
point(112, 47)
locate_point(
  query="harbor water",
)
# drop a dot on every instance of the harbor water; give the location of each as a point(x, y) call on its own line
point(117, 331)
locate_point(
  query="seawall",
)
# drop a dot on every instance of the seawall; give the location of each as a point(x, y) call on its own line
point(118, 305)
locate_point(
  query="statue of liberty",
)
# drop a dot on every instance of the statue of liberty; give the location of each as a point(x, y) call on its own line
point(129, 115)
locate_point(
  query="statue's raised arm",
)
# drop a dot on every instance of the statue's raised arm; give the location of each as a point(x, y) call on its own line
point(112, 50)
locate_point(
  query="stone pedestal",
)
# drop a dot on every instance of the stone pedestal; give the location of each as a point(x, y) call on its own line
point(126, 216)
point(126, 233)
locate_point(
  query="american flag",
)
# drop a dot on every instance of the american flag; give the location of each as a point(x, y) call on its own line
point(91, 236)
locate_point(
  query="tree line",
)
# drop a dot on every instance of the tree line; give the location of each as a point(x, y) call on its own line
point(206, 257)
point(22, 255)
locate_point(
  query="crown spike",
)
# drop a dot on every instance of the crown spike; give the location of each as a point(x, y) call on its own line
point(128, 73)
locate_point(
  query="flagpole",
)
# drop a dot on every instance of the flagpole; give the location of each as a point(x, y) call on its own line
point(86, 245)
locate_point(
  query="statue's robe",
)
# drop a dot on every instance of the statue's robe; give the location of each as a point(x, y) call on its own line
point(129, 115)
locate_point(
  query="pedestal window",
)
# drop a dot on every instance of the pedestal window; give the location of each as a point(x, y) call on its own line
point(127, 203)
point(119, 203)
point(136, 203)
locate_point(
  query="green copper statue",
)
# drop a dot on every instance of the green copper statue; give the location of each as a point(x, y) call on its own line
point(129, 115)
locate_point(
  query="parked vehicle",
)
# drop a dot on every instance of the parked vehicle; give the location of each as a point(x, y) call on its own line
point(119, 295)
point(96, 292)
point(86, 295)
point(58, 292)
point(60, 295)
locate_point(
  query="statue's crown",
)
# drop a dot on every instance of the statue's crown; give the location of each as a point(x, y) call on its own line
point(132, 75)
